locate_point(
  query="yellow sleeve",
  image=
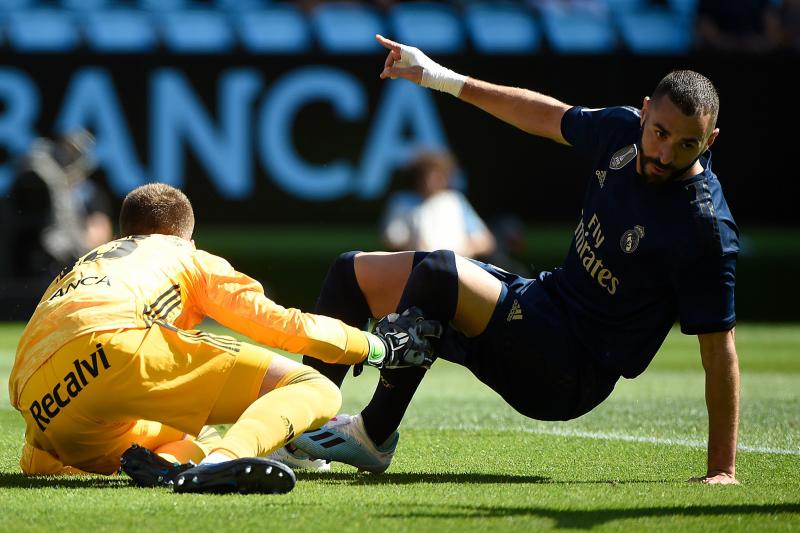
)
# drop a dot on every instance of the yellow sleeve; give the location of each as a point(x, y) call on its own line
point(237, 301)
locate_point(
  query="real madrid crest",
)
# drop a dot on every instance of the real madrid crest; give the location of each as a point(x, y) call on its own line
point(630, 239)
point(622, 157)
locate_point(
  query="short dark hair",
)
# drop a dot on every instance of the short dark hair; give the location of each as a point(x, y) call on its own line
point(156, 208)
point(432, 160)
point(693, 93)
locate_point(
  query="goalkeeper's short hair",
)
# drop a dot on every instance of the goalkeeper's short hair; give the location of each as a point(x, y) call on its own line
point(156, 208)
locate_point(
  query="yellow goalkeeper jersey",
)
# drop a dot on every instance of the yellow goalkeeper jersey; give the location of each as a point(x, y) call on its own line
point(135, 281)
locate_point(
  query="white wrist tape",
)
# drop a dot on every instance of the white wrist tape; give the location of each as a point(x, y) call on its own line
point(434, 75)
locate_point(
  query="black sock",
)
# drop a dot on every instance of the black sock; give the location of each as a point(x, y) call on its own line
point(341, 298)
point(433, 287)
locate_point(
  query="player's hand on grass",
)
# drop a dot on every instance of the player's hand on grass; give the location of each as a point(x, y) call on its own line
point(718, 478)
point(403, 340)
point(412, 64)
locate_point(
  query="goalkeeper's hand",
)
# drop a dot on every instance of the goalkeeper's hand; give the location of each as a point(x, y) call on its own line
point(403, 340)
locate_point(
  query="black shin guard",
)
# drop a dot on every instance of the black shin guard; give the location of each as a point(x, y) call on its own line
point(433, 287)
point(341, 298)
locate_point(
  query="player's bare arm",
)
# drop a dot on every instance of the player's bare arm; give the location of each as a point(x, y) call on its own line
point(718, 352)
point(532, 112)
point(527, 110)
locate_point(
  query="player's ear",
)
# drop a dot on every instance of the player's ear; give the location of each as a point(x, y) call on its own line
point(645, 106)
point(712, 137)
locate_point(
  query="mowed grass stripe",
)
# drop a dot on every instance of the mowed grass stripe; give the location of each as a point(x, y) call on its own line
point(468, 462)
point(447, 481)
point(663, 404)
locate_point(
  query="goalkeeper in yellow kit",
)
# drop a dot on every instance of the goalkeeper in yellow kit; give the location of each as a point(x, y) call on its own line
point(108, 359)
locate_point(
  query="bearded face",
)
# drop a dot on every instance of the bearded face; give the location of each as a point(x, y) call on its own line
point(670, 142)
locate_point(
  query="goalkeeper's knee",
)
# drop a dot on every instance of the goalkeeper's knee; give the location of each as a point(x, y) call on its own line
point(321, 396)
point(303, 399)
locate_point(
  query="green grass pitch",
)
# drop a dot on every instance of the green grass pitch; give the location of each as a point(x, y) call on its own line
point(468, 462)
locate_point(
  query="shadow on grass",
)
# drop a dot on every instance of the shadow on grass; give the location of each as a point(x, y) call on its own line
point(18, 480)
point(21, 481)
point(598, 517)
point(411, 478)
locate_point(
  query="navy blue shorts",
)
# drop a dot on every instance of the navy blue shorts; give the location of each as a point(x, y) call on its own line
point(527, 353)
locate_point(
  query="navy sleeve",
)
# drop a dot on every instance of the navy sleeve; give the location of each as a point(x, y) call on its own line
point(705, 294)
point(591, 130)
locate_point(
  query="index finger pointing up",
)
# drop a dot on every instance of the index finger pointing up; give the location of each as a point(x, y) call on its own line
point(387, 43)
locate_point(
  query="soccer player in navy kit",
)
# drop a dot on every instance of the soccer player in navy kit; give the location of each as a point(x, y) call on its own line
point(655, 243)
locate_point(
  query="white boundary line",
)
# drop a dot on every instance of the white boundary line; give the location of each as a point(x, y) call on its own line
point(654, 440)
point(598, 435)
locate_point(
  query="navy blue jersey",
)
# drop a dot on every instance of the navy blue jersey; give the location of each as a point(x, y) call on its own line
point(642, 256)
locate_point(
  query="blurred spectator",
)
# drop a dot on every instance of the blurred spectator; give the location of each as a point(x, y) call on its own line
point(57, 215)
point(433, 216)
point(790, 24)
point(752, 26)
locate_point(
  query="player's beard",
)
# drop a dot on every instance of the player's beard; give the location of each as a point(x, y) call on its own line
point(671, 173)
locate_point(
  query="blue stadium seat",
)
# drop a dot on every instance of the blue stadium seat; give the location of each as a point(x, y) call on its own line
point(120, 31)
point(626, 6)
point(503, 29)
point(197, 31)
point(243, 5)
point(163, 5)
point(434, 28)
point(84, 5)
point(14, 5)
point(578, 31)
point(42, 30)
point(687, 8)
point(656, 32)
point(280, 29)
point(347, 28)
